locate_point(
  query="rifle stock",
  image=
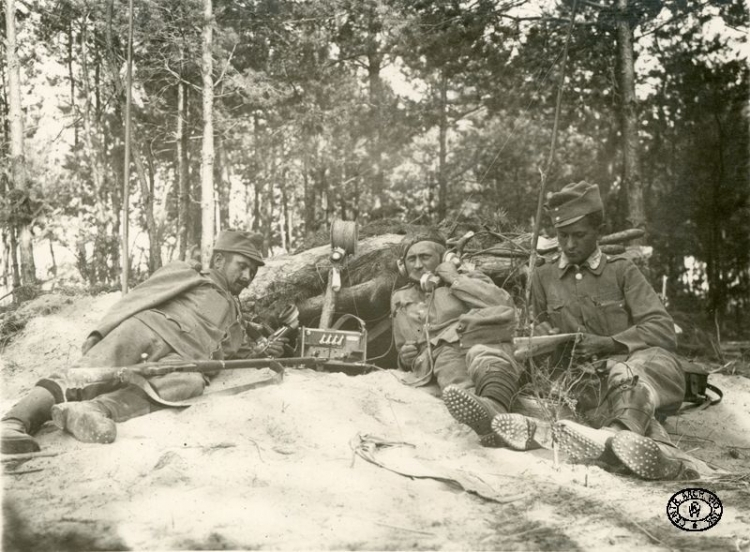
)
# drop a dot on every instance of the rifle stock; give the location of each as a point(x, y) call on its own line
point(528, 347)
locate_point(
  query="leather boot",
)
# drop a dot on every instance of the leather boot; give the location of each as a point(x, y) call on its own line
point(25, 419)
point(521, 432)
point(658, 433)
point(633, 405)
point(474, 411)
point(583, 443)
point(87, 421)
point(652, 460)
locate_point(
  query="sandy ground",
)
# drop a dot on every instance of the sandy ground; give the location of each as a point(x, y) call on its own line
point(275, 468)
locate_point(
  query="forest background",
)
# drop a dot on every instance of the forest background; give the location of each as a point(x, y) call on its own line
point(280, 116)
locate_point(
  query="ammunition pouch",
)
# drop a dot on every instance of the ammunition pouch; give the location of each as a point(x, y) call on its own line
point(490, 326)
point(697, 386)
point(696, 390)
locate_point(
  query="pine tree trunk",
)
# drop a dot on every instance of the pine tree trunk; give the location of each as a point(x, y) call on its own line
point(631, 176)
point(285, 222)
point(208, 214)
point(266, 205)
point(309, 190)
point(11, 257)
point(17, 154)
point(223, 183)
point(154, 250)
point(376, 150)
point(714, 272)
point(71, 77)
point(442, 178)
point(256, 207)
point(97, 269)
point(182, 176)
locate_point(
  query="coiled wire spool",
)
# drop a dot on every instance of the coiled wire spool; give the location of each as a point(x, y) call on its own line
point(344, 235)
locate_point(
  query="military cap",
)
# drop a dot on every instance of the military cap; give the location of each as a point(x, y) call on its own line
point(237, 241)
point(573, 202)
point(427, 235)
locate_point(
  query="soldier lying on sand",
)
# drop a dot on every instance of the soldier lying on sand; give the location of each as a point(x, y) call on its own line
point(179, 313)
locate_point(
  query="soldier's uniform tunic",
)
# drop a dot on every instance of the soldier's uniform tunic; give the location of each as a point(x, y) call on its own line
point(449, 350)
point(609, 296)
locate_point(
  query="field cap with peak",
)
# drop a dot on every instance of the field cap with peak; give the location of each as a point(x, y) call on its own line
point(237, 241)
point(414, 238)
point(573, 202)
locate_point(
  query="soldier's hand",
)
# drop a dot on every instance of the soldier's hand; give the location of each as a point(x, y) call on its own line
point(91, 340)
point(545, 328)
point(408, 353)
point(447, 272)
point(275, 348)
point(593, 347)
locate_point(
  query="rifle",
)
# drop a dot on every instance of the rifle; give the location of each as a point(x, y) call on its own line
point(531, 346)
point(136, 374)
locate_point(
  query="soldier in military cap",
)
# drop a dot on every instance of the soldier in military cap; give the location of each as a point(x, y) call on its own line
point(180, 313)
point(626, 336)
point(453, 328)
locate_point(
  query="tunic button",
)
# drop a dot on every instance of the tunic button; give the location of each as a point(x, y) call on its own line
point(579, 276)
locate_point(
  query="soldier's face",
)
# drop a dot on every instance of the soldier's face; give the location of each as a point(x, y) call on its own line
point(578, 240)
point(422, 257)
point(238, 270)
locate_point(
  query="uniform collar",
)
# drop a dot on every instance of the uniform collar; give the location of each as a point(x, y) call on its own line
point(594, 263)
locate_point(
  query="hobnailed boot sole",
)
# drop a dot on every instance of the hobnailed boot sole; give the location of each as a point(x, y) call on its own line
point(584, 444)
point(516, 431)
point(467, 408)
point(645, 458)
point(18, 442)
point(84, 422)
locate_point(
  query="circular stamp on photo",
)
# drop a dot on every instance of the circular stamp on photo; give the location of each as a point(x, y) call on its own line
point(694, 509)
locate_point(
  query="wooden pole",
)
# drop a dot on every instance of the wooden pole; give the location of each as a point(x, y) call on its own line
point(125, 277)
point(550, 159)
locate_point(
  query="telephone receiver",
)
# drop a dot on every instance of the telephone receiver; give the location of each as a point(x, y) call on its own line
point(450, 256)
point(429, 281)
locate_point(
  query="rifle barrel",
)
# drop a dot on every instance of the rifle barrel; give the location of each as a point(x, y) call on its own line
point(94, 374)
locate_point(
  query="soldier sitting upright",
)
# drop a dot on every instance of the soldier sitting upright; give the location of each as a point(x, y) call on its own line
point(627, 339)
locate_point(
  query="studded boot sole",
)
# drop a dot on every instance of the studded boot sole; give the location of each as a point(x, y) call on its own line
point(584, 444)
point(516, 431)
point(646, 458)
point(469, 409)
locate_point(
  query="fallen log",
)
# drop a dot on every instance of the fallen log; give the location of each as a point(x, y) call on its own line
point(605, 241)
point(623, 236)
point(369, 300)
point(507, 253)
point(294, 278)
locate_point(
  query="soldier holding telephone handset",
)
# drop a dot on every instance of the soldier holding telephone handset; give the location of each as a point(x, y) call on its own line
point(454, 329)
